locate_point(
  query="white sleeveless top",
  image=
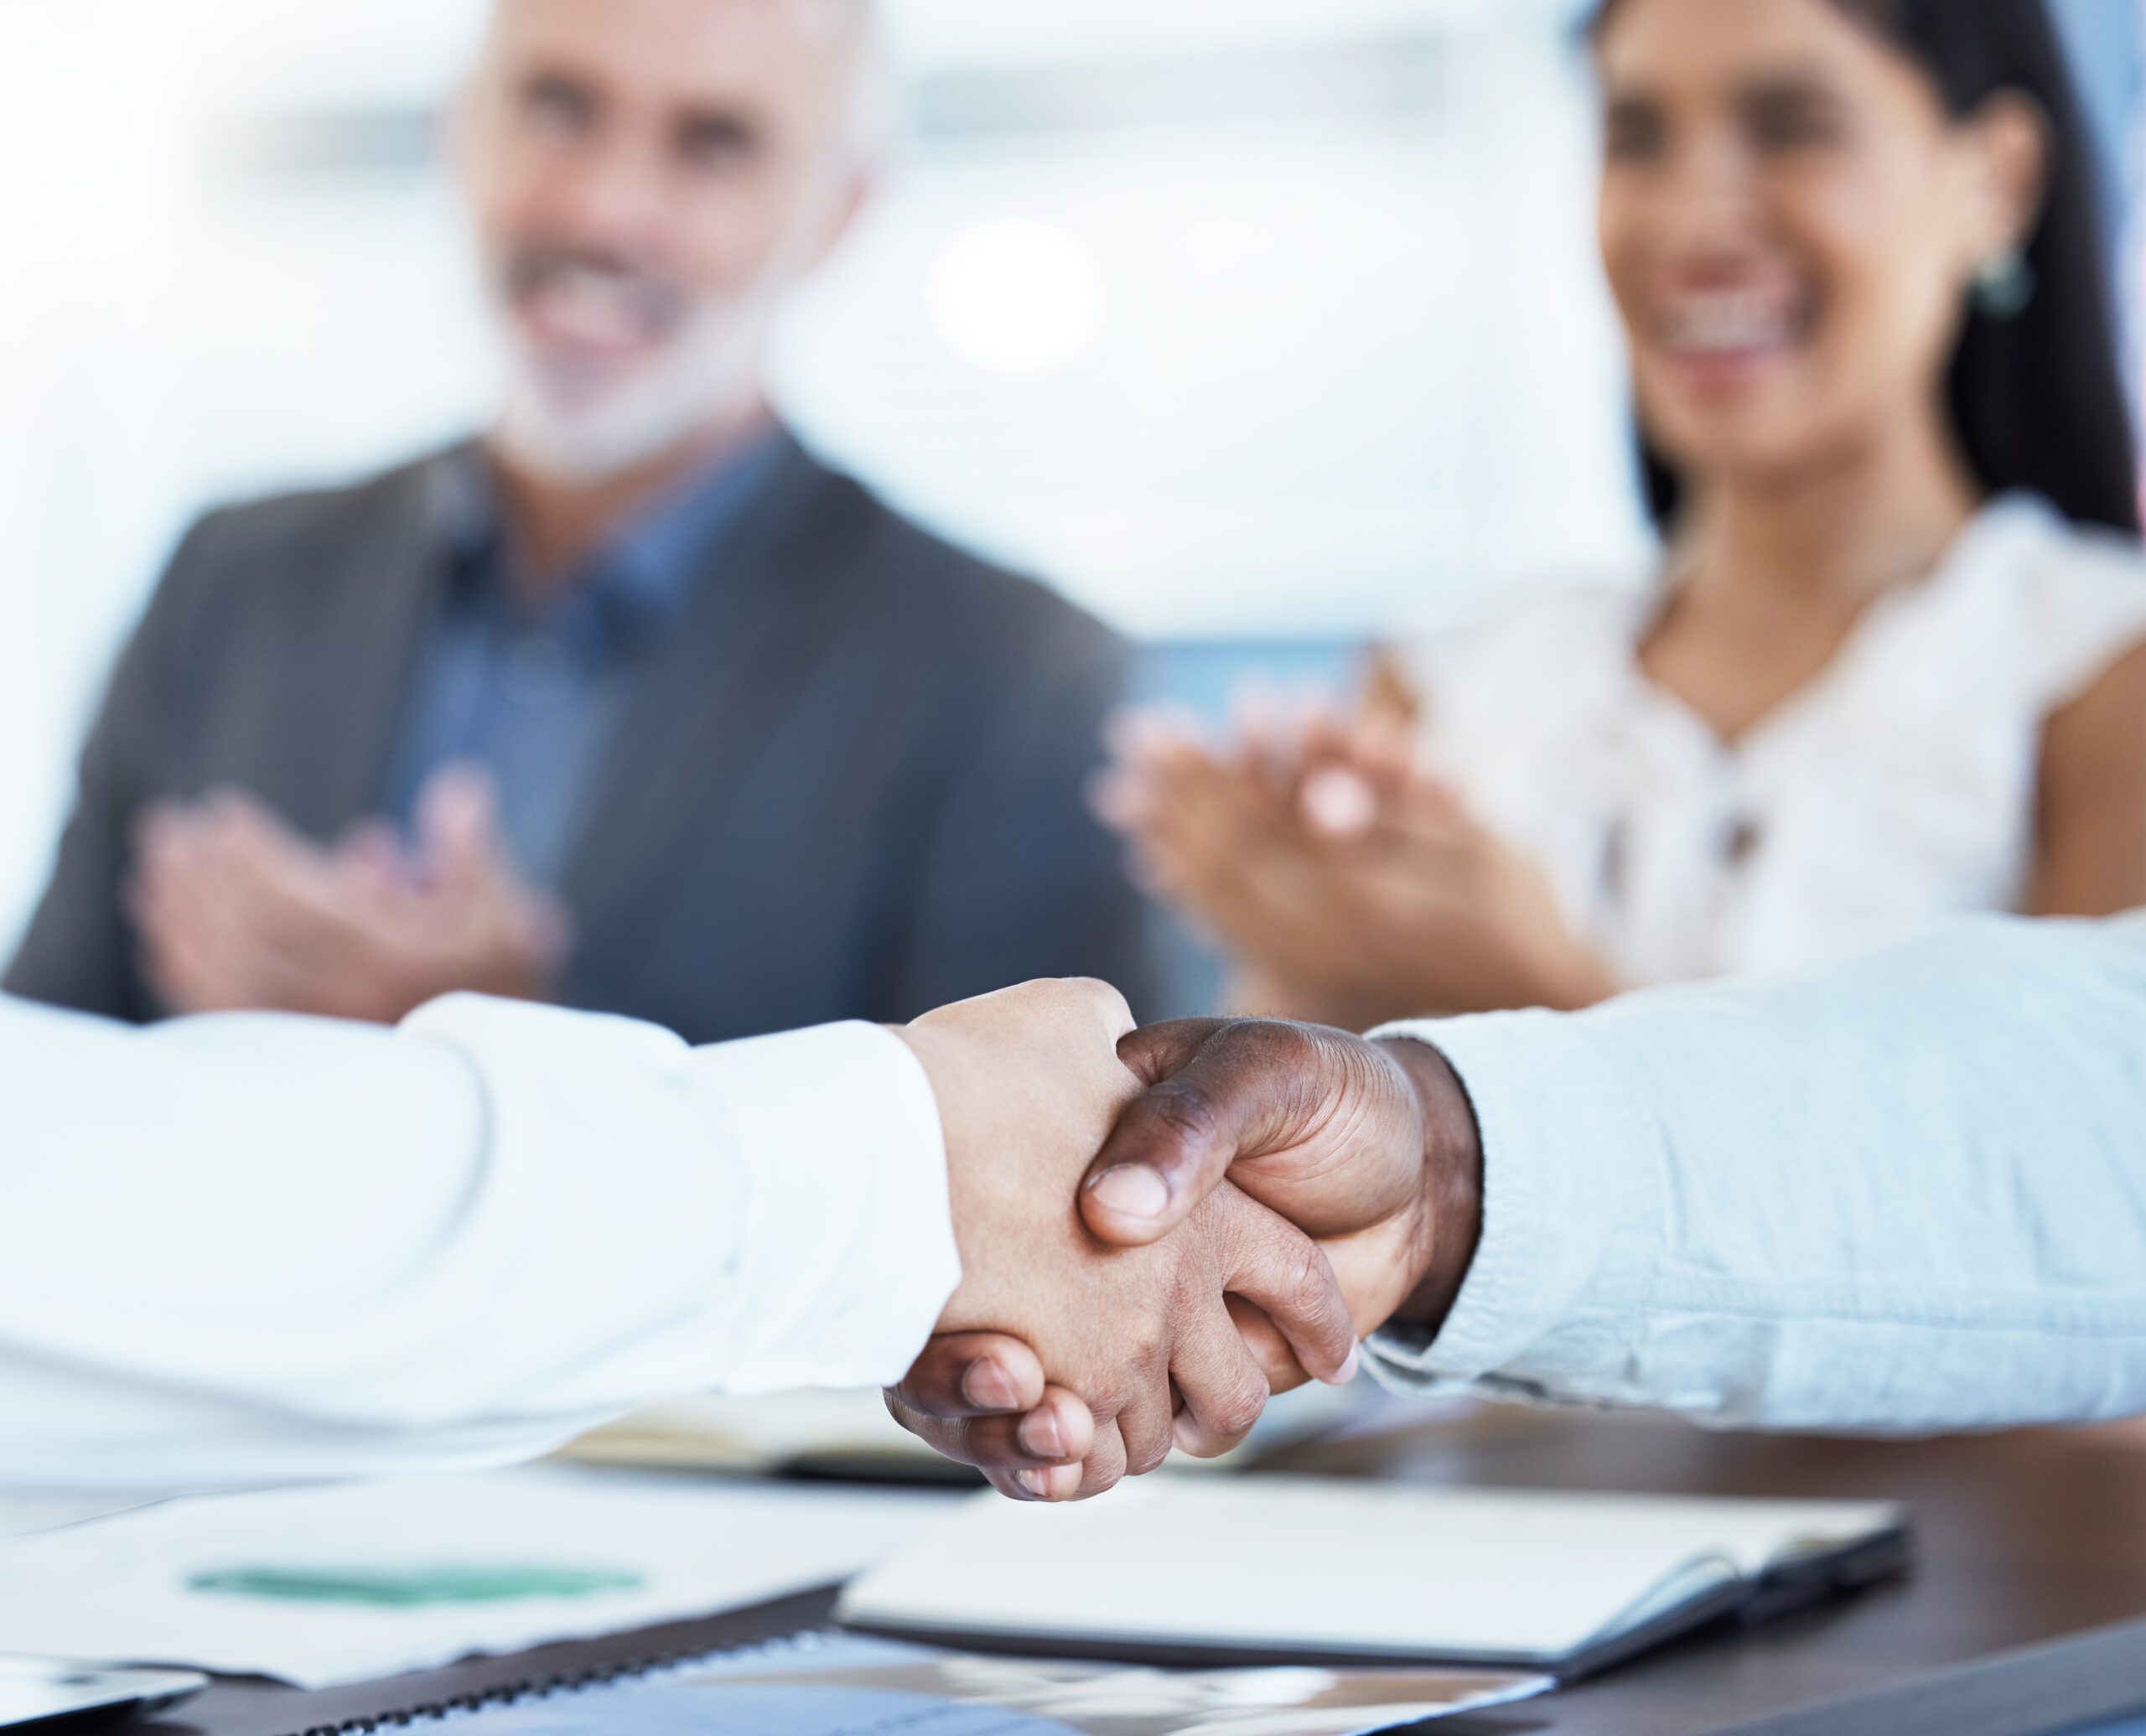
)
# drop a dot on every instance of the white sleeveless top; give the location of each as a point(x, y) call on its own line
point(1897, 790)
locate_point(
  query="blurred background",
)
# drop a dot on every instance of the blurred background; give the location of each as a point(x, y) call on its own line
point(1185, 305)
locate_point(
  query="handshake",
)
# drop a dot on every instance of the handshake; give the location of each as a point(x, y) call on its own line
point(1159, 1229)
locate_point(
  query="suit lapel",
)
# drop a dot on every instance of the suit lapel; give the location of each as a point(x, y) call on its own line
point(353, 685)
point(767, 604)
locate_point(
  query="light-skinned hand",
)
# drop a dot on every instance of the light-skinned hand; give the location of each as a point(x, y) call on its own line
point(1350, 886)
point(1109, 1350)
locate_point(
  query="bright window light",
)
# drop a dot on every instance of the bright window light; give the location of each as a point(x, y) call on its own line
point(1015, 296)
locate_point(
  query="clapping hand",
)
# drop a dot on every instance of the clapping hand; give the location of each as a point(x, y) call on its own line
point(236, 912)
point(1352, 885)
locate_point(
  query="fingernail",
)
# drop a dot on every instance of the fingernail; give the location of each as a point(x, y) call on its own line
point(1133, 1191)
point(1041, 1436)
point(988, 1387)
point(1037, 1483)
point(1348, 1369)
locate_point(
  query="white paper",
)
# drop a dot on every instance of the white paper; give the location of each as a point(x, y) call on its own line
point(21, 1514)
point(764, 1433)
point(1279, 1565)
point(117, 1590)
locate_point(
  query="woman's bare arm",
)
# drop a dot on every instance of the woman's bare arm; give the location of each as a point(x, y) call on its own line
point(2092, 858)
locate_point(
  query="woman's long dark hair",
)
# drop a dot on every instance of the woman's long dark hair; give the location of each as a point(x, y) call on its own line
point(2038, 400)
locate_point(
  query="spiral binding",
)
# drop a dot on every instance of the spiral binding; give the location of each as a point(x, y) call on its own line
point(653, 1667)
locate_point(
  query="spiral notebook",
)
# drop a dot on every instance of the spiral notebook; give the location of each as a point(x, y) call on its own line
point(1272, 1569)
point(833, 1684)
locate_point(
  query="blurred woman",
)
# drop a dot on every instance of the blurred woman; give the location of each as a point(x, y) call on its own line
point(1893, 666)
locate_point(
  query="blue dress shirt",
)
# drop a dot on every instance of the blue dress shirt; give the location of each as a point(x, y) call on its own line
point(534, 694)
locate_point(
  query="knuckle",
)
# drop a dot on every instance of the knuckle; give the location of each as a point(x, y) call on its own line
point(1097, 1480)
point(1274, 1042)
point(1311, 1286)
point(1177, 1114)
point(1103, 997)
point(1238, 1414)
point(1287, 1263)
point(1309, 1298)
point(1290, 1065)
point(1150, 1457)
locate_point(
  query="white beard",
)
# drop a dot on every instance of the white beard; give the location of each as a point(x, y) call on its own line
point(710, 374)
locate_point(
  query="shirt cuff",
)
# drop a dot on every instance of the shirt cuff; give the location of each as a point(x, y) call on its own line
point(849, 1252)
point(1570, 1185)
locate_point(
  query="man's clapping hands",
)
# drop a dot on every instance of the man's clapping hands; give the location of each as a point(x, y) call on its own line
point(235, 911)
point(1160, 1228)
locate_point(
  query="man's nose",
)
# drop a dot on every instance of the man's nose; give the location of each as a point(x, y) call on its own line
point(610, 198)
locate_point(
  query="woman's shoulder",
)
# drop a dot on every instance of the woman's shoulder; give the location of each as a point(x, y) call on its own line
point(2081, 591)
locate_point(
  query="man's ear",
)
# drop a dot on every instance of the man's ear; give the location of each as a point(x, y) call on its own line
point(2012, 143)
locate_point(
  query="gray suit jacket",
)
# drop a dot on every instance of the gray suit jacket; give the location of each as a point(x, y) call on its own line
point(850, 786)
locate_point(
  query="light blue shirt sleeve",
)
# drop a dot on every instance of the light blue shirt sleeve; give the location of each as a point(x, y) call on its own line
point(1907, 1196)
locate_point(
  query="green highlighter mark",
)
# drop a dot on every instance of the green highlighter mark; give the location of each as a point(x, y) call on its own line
point(417, 1587)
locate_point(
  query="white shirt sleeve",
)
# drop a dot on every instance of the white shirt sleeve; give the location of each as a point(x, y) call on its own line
point(245, 1250)
point(1908, 1196)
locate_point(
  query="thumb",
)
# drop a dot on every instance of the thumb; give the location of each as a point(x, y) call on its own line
point(1219, 1092)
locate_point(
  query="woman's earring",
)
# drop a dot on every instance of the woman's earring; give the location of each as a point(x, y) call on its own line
point(2005, 286)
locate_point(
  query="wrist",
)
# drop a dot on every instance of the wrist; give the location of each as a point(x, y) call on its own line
point(932, 1052)
point(1450, 1206)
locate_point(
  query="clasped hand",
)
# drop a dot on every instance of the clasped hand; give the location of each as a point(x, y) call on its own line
point(1158, 1229)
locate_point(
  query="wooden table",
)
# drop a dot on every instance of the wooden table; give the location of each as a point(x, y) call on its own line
point(2026, 1613)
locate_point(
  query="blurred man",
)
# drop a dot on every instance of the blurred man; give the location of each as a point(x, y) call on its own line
point(630, 704)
